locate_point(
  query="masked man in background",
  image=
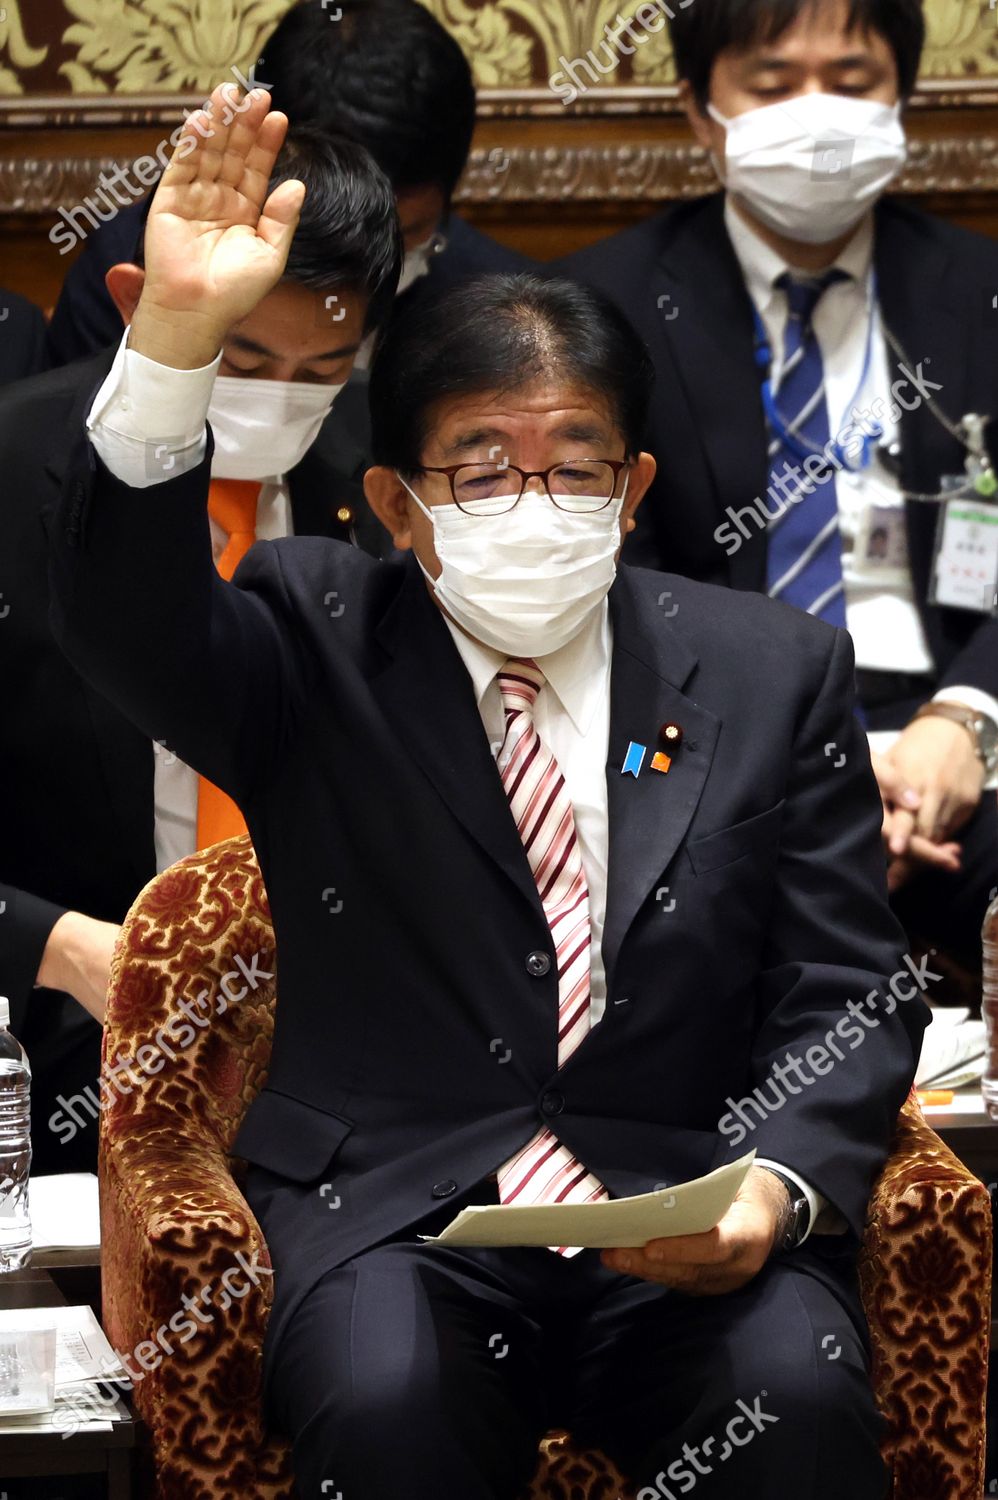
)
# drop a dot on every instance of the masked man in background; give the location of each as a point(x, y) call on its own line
point(826, 385)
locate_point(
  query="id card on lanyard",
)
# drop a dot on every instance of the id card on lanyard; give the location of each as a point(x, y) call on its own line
point(965, 565)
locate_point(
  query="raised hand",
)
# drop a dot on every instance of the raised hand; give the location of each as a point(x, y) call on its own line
point(215, 243)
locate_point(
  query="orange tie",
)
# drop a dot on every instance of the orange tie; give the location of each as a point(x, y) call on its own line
point(232, 504)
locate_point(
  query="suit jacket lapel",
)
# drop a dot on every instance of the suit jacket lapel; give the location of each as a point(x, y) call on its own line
point(649, 815)
point(330, 476)
point(712, 340)
point(427, 692)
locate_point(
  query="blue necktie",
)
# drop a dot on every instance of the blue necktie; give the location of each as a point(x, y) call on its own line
point(804, 552)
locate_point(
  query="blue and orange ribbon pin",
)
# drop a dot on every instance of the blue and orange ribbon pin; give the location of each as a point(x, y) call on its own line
point(670, 737)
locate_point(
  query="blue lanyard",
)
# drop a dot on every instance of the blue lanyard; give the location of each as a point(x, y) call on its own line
point(777, 424)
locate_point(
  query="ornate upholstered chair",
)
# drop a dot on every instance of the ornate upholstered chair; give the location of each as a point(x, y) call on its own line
point(174, 1219)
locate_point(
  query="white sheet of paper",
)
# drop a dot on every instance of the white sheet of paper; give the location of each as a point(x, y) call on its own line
point(64, 1211)
point(82, 1351)
point(688, 1208)
point(948, 1050)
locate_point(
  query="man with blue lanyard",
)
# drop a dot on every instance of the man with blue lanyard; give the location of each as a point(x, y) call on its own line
point(826, 394)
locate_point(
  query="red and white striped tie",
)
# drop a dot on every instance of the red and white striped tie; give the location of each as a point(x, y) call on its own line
point(545, 1171)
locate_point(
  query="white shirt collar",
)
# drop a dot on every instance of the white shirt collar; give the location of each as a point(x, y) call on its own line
point(576, 673)
point(761, 265)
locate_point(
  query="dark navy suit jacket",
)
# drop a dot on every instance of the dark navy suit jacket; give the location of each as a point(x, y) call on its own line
point(349, 734)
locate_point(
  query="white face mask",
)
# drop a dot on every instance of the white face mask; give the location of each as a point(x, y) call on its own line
point(262, 428)
point(811, 167)
point(526, 581)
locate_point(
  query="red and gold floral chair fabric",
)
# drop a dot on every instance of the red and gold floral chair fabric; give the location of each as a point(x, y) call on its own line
point(174, 1221)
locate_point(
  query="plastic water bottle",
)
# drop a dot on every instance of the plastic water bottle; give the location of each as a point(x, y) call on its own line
point(15, 1148)
point(989, 1008)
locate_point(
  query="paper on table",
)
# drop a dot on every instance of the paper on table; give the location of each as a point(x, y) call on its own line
point(688, 1208)
point(949, 1050)
point(64, 1211)
point(82, 1351)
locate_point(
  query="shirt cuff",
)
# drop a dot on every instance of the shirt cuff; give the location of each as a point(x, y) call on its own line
point(147, 422)
point(971, 697)
point(816, 1201)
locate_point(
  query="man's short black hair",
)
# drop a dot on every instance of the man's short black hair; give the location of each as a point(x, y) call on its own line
point(348, 236)
point(501, 333)
point(707, 28)
point(384, 73)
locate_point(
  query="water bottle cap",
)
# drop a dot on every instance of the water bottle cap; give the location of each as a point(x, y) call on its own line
point(4, 1011)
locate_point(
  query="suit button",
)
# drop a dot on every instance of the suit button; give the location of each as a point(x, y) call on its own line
point(538, 963)
point(445, 1188)
point(553, 1102)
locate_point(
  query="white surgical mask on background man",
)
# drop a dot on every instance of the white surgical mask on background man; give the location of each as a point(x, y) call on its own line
point(811, 167)
point(263, 428)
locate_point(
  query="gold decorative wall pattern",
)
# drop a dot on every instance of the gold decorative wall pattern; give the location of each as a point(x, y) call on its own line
point(138, 46)
point(178, 47)
point(17, 56)
point(961, 41)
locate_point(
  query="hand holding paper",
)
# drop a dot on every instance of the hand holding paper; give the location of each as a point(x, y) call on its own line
point(687, 1208)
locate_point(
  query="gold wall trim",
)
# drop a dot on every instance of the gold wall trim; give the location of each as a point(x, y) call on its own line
point(68, 112)
point(541, 175)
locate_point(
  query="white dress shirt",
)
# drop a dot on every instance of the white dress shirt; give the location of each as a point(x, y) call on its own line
point(133, 425)
point(881, 613)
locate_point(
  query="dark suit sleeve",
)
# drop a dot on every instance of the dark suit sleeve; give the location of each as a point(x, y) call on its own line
point(22, 338)
point(211, 669)
point(976, 665)
point(25, 924)
point(832, 939)
point(85, 320)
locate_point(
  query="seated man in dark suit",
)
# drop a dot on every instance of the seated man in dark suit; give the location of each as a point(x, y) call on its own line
point(463, 740)
point(90, 808)
point(22, 337)
point(383, 73)
point(826, 372)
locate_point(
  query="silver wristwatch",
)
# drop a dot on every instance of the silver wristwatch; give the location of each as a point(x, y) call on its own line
point(981, 727)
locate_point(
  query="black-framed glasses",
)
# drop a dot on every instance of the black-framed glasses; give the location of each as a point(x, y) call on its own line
point(579, 485)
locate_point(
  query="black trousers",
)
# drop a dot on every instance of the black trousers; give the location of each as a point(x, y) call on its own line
point(432, 1373)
